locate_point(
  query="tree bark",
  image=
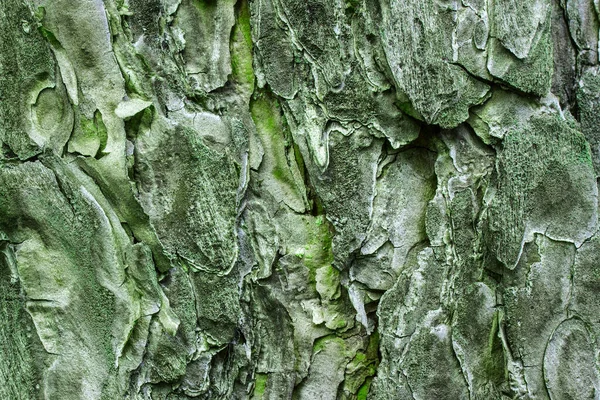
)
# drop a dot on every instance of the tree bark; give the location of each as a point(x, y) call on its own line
point(299, 199)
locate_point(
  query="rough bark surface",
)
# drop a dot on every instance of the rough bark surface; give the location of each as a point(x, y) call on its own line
point(299, 199)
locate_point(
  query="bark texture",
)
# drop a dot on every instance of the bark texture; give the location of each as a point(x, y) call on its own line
point(299, 199)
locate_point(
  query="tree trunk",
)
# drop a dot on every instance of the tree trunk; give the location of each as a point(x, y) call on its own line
point(299, 199)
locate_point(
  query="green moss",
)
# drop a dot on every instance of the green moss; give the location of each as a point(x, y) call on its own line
point(337, 324)
point(90, 136)
point(494, 359)
point(260, 384)
point(328, 282)
point(49, 36)
point(322, 342)
point(101, 132)
point(407, 108)
point(277, 161)
point(363, 392)
point(279, 174)
point(241, 47)
point(318, 252)
point(362, 368)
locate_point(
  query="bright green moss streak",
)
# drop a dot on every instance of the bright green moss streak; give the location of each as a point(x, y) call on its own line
point(260, 385)
point(241, 47)
point(363, 392)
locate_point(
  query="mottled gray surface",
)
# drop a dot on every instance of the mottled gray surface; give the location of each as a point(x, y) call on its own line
point(299, 199)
